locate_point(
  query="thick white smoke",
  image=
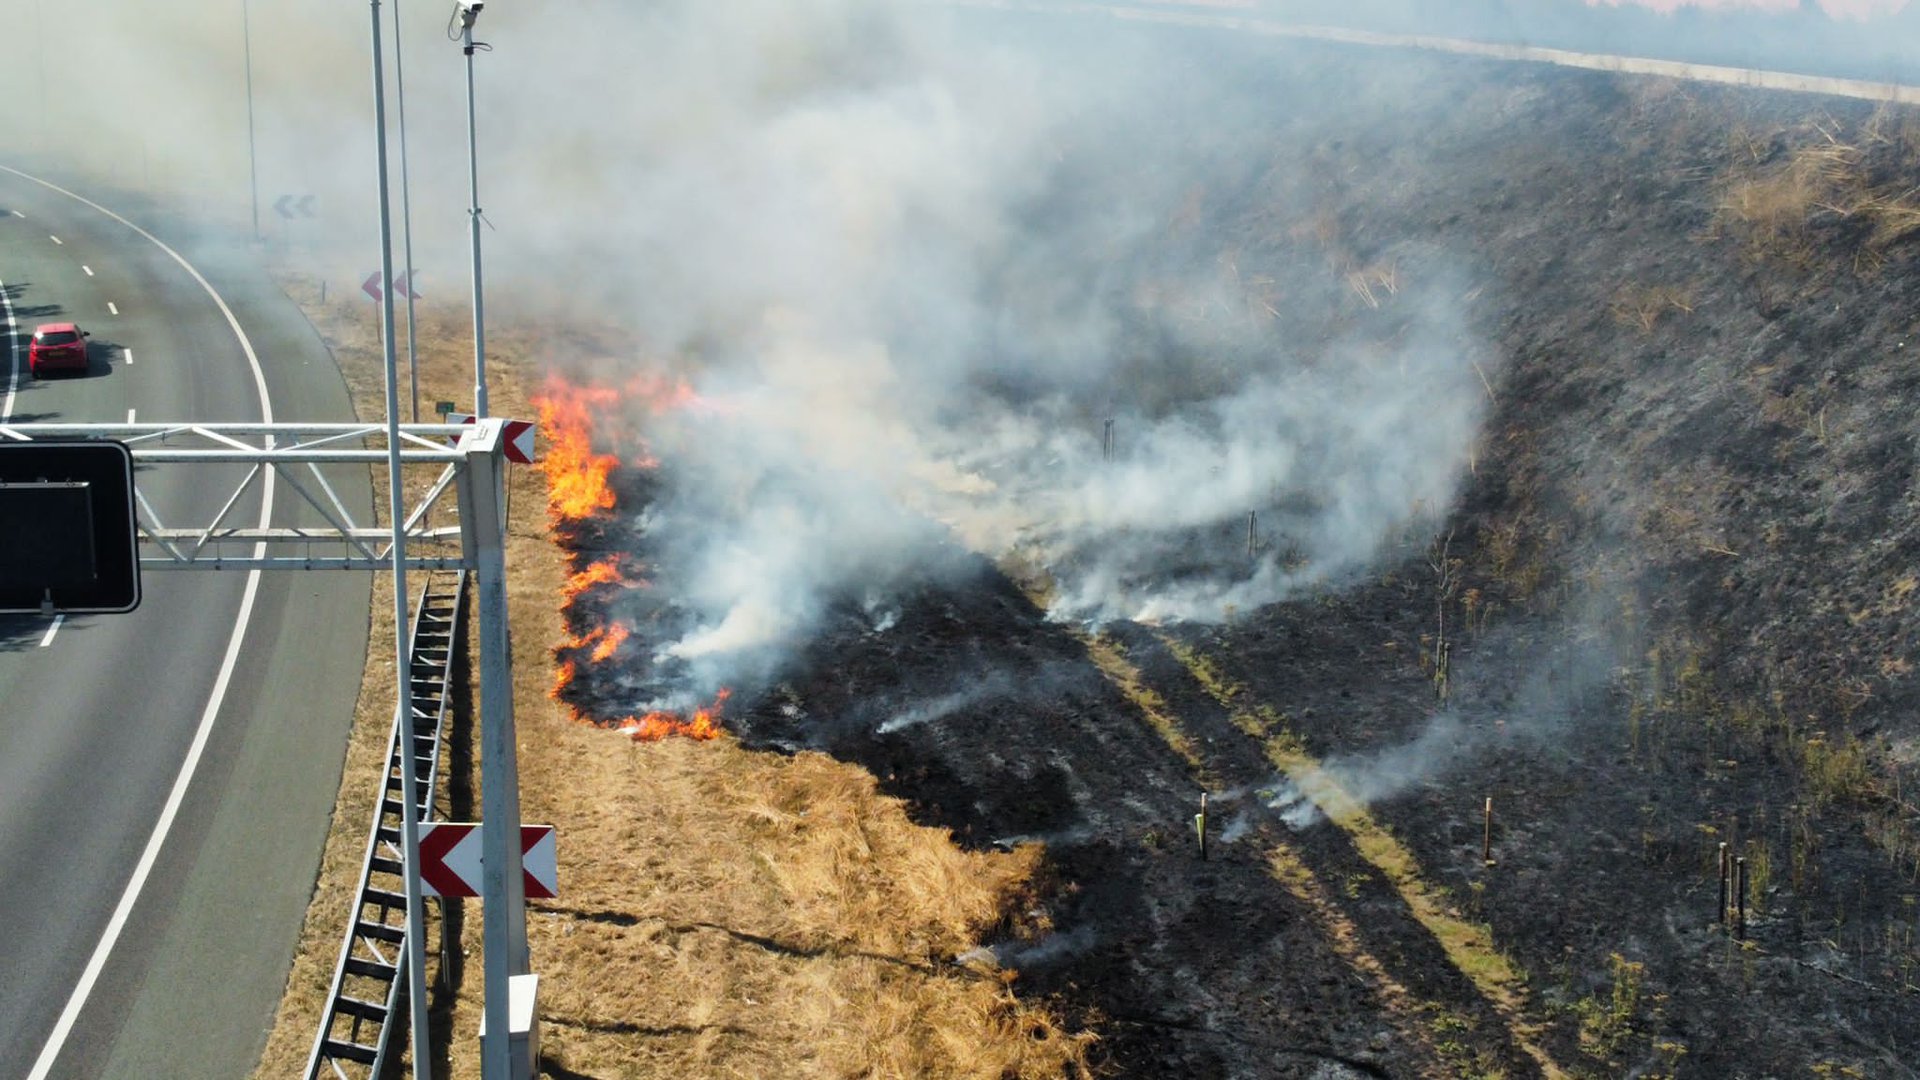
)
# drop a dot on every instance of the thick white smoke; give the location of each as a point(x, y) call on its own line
point(914, 270)
point(913, 258)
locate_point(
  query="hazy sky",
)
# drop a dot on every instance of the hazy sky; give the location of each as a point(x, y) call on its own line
point(1856, 9)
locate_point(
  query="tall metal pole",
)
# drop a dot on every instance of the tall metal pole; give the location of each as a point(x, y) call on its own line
point(502, 885)
point(40, 59)
point(406, 210)
point(470, 14)
point(253, 160)
point(416, 958)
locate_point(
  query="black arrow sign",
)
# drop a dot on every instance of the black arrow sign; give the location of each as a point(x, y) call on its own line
point(292, 206)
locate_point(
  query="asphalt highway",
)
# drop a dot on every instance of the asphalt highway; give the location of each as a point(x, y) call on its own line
point(100, 714)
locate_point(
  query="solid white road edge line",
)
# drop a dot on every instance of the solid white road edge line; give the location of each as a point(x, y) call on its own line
point(124, 909)
point(52, 630)
point(13, 355)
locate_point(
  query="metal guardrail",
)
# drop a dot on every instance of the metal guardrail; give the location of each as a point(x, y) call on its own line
point(355, 1035)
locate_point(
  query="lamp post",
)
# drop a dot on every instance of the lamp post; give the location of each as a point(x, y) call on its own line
point(253, 160)
point(468, 14)
point(406, 211)
point(416, 956)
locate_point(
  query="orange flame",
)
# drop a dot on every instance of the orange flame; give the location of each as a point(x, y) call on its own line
point(578, 488)
point(657, 725)
point(563, 678)
point(611, 638)
point(605, 571)
point(576, 475)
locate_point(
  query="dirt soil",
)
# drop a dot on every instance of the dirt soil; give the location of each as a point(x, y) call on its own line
point(1672, 607)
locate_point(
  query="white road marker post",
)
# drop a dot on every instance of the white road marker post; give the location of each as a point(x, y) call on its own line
point(503, 893)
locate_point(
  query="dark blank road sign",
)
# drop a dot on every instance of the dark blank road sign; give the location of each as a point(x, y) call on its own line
point(67, 532)
point(58, 550)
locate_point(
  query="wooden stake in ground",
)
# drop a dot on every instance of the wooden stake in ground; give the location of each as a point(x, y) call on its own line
point(1740, 899)
point(1486, 833)
point(1200, 826)
point(1720, 912)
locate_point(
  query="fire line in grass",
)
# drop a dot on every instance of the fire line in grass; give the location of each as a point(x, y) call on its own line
point(580, 491)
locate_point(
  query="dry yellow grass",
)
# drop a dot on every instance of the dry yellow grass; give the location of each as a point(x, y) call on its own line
point(722, 912)
point(1773, 205)
point(1644, 305)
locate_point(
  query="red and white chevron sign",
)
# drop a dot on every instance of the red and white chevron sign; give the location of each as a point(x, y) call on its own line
point(450, 860)
point(518, 437)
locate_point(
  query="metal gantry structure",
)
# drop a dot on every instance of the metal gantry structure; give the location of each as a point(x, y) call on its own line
point(228, 462)
point(292, 454)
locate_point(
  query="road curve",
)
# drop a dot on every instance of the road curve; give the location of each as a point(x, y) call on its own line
point(99, 714)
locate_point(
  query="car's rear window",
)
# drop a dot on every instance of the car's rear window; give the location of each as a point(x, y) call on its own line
point(59, 337)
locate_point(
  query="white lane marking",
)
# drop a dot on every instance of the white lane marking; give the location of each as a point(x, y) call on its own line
point(112, 308)
point(151, 853)
point(18, 214)
point(13, 355)
point(126, 356)
point(129, 416)
point(52, 630)
point(55, 239)
point(87, 268)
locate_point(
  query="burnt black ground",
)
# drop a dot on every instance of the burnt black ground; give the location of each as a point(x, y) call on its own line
point(1680, 568)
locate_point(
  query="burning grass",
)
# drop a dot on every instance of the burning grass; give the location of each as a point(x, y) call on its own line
point(722, 912)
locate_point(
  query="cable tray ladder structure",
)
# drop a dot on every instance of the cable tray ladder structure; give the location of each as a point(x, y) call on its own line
point(355, 1035)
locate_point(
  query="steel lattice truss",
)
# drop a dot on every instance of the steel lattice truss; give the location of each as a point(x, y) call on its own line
point(336, 533)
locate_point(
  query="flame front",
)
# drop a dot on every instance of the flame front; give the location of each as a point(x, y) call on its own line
point(576, 476)
point(607, 571)
point(611, 637)
point(654, 726)
point(580, 488)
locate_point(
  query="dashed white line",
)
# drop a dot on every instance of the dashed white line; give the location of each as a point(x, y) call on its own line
point(129, 416)
point(52, 630)
point(126, 356)
point(122, 911)
point(55, 239)
point(18, 214)
point(112, 307)
point(87, 268)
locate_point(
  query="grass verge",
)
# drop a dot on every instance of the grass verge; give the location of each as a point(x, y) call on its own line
point(722, 912)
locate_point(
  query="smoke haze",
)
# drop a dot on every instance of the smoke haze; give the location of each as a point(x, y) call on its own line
point(934, 276)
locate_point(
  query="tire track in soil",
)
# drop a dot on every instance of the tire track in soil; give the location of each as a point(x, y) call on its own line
point(1444, 956)
point(1186, 968)
point(1371, 931)
point(1199, 738)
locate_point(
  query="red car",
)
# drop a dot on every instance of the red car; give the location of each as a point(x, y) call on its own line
point(59, 346)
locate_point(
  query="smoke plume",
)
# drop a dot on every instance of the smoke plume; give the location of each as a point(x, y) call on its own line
point(943, 282)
